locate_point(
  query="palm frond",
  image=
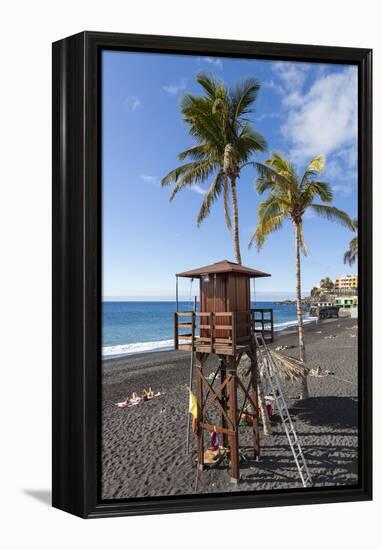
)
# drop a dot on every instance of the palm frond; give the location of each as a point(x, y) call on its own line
point(283, 167)
point(243, 96)
point(250, 141)
point(269, 178)
point(197, 152)
point(264, 228)
point(314, 168)
point(320, 189)
point(198, 174)
point(332, 213)
point(174, 175)
point(203, 124)
point(268, 208)
point(351, 254)
point(210, 84)
point(210, 196)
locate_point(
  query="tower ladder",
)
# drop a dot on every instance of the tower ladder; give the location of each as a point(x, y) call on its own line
point(270, 372)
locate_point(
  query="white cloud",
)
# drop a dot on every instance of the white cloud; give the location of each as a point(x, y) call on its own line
point(273, 86)
point(197, 189)
point(153, 180)
point(174, 89)
point(323, 120)
point(213, 61)
point(132, 103)
point(292, 74)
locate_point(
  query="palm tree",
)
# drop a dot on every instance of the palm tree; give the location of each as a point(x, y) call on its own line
point(289, 198)
point(327, 283)
point(225, 141)
point(351, 254)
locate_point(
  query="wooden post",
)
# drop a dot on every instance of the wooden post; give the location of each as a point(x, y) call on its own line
point(200, 431)
point(191, 367)
point(254, 397)
point(234, 464)
point(212, 331)
point(234, 332)
point(265, 417)
point(177, 293)
point(224, 402)
point(176, 330)
point(272, 325)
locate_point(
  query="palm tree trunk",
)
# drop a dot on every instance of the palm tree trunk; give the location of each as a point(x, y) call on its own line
point(302, 349)
point(237, 249)
point(265, 415)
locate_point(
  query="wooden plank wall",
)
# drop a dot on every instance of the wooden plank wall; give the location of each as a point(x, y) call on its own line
point(226, 292)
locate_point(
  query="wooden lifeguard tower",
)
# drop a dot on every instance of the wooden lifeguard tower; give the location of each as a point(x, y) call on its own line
point(224, 326)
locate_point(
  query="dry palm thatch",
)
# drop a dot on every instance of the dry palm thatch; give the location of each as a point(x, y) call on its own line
point(289, 368)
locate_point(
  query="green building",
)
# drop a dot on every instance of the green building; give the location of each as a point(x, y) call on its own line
point(346, 301)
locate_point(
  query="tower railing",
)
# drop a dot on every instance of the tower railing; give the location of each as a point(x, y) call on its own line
point(227, 332)
point(263, 323)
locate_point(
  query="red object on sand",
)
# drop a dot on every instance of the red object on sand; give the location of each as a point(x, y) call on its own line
point(215, 442)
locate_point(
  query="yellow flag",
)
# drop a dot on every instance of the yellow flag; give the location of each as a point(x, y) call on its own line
point(193, 405)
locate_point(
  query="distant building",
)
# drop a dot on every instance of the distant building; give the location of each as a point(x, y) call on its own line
point(346, 281)
point(347, 301)
point(324, 304)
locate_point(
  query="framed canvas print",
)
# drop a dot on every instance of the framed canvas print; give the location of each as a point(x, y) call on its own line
point(212, 274)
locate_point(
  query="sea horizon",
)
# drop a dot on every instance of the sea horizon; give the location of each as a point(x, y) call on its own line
point(139, 326)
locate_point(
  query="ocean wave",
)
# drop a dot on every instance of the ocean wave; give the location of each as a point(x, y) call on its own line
point(121, 350)
point(292, 323)
point(138, 347)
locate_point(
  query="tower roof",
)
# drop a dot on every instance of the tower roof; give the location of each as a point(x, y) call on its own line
point(223, 267)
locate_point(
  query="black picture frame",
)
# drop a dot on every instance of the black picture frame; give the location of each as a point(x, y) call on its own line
point(77, 262)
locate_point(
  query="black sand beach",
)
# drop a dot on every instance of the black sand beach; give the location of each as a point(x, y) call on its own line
point(144, 450)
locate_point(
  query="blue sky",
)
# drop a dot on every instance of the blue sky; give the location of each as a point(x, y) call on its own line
point(303, 109)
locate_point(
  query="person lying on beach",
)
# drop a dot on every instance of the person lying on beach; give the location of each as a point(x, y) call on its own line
point(136, 399)
point(130, 401)
point(123, 404)
point(147, 394)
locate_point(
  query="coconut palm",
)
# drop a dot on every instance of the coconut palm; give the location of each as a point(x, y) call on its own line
point(327, 283)
point(225, 142)
point(289, 198)
point(351, 254)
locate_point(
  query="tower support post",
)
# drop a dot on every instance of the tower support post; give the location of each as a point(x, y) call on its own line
point(224, 401)
point(234, 458)
point(200, 418)
point(254, 397)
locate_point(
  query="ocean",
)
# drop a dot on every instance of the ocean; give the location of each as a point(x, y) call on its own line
point(137, 327)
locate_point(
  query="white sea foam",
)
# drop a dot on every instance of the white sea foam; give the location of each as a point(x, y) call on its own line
point(165, 345)
point(292, 323)
point(138, 347)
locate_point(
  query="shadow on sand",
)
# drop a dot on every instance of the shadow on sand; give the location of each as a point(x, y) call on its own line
point(336, 412)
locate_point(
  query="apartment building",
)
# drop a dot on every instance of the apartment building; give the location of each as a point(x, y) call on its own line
point(346, 281)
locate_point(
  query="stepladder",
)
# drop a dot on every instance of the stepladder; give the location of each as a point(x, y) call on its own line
point(270, 374)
